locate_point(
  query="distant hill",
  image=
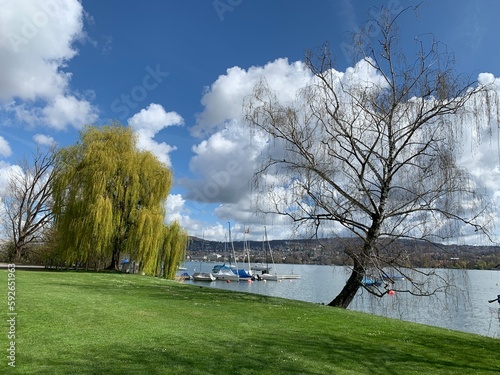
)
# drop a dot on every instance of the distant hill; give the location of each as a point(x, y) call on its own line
point(331, 251)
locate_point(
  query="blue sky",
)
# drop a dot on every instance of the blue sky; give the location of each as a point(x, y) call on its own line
point(176, 71)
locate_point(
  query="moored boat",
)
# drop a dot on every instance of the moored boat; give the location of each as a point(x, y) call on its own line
point(289, 276)
point(260, 267)
point(184, 276)
point(368, 281)
point(392, 277)
point(224, 267)
point(226, 275)
point(203, 276)
point(274, 276)
point(245, 275)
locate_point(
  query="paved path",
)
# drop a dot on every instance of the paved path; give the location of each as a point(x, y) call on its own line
point(22, 266)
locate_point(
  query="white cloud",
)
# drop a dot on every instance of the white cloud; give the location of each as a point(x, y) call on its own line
point(174, 207)
point(36, 42)
point(147, 123)
point(225, 163)
point(5, 149)
point(64, 111)
point(363, 74)
point(223, 100)
point(6, 172)
point(178, 210)
point(486, 78)
point(153, 119)
point(226, 160)
point(44, 140)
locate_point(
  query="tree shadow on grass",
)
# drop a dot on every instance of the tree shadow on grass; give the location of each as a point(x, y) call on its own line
point(162, 289)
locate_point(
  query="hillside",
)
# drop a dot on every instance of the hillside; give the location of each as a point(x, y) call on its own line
point(331, 251)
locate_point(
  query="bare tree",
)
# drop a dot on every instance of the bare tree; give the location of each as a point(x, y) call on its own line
point(27, 202)
point(375, 153)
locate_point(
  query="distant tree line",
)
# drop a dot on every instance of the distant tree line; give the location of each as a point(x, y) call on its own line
point(330, 251)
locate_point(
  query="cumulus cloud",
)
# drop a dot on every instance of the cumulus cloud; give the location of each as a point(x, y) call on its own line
point(64, 111)
point(485, 78)
point(6, 172)
point(225, 163)
point(228, 156)
point(226, 159)
point(44, 140)
point(147, 123)
point(174, 207)
point(5, 149)
point(178, 210)
point(223, 100)
point(363, 74)
point(36, 42)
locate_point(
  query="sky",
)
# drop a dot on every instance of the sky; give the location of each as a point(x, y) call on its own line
point(178, 71)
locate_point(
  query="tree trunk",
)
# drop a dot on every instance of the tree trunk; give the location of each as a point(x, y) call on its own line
point(361, 262)
point(351, 287)
point(115, 258)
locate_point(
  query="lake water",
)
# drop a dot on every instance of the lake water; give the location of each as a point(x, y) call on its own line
point(465, 308)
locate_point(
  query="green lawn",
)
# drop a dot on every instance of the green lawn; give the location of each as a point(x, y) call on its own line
point(98, 323)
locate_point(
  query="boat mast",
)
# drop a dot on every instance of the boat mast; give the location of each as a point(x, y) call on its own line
point(202, 248)
point(232, 248)
point(265, 250)
point(270, 252)
point(246, 250)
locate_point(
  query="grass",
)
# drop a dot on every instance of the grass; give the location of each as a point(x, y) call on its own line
point(98, 323)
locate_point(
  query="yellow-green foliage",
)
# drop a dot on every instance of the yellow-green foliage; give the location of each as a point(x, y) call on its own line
point(109, 198)
point(173, 250)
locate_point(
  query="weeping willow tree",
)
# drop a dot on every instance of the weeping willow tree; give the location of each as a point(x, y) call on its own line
point(172, 250)
point(109, 200)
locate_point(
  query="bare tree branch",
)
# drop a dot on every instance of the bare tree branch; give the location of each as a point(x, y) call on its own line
point(28, 202)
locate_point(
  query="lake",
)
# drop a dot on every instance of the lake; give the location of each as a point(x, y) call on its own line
point(464, 308)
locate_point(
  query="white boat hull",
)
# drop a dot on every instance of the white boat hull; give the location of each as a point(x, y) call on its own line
point(269, 277)
point(203, 276)
point(292, 276)
point(226, 277)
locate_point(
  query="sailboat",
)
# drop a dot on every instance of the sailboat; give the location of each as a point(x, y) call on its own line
point(224, 267)
point(261, 267)
point(264, 268)
point(203, 276)
point(226, 273)
point(274, 276)
point(244, 274)
point(183, 267)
